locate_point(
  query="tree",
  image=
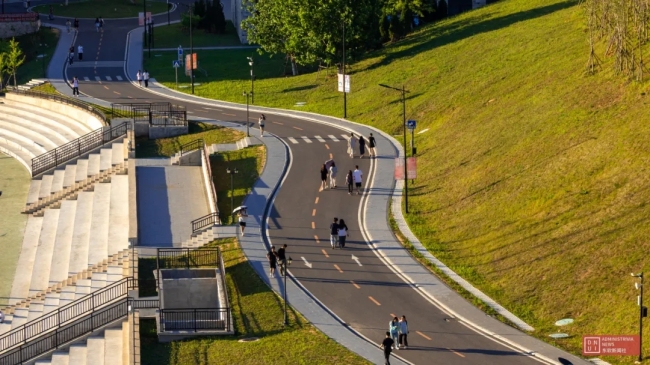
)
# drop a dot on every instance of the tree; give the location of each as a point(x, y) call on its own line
point(14, 59)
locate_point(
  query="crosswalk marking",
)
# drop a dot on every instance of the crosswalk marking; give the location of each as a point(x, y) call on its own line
point(98, 78)
point(306, 139)
point(333, 138)
point(86, 79)
point(119, 78)
point(293, 140)
point(320, 139)
point(345, 136)
point(109, 78)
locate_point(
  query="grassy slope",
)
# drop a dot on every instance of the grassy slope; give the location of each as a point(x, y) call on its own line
point(174, 35)
point(165, 147)
point(532, 180)
point(30, 44)
point(14, 183)
point(257, 312)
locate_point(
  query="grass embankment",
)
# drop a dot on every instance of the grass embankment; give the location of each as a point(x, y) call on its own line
point(166, 147)
point(42, 42)
point(174, 35)
point(532, 179)
point(14, 184)
point(257, 312)
point(101, 8)
point(249, 163)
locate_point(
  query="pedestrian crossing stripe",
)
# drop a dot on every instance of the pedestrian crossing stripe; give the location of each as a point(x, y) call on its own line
point(293, 140)
point(109, 78)
point(306, 139)
point(320, 139)
point(86, 79)
point(119, 78)
point(333, 138)
point(98, 78)
point(345, 136)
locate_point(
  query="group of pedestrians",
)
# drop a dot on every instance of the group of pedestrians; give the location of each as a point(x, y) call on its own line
point(338, 233)
point(353, 141)
point(142, 76)
point(277, 258)
point(396, 337)
point(99, 24)
point(329, 171)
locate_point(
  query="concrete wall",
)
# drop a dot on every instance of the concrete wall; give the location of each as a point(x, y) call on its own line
point(15, 29)
point(190, 293)
point(73, 112)
point(156, 132)
point(208, 183)
point(239, 13)
point(191, 159)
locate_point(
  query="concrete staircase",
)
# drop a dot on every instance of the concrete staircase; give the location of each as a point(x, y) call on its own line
point(210, 234)
point(109, 347)
point(215, 147)
point(31, 84)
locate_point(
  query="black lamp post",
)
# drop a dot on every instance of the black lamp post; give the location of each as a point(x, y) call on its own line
point(232, 191)
point(284, 264)
point(191, 47)
point(643, 312)
point(345, 94)
point(247, 94)
point(406, 190)
point(144, 17)
point(250, 63)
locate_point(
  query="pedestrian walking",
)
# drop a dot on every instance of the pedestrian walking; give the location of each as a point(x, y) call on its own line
point(80, 52)
point(323, 177)
point(138, 77)
point(334, 232)
point(71, 56)
point(261, 124)
point(393, 328)
point(273, 261)
point(76, 24)
point(343, 233)
point(358, 177)
point(68, 25)
point(75, 86)
point(145, 77)
point(372, 144)
point(282, 259)
point(352, 145)
point(51, 16)
point(362, 146)
point(2, 317)
point(333, 171)
point(349, 181)
point(101, 24)
point(97, 24)
point(241, 217)
point(387, 345)
point(403, 333)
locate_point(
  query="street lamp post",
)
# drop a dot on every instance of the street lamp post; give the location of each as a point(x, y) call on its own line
point(232, 191)
point(643, 312)
point(247, 94)
point(345, 94)
point(191, 47)
point(406, 189)
point(286, 317)
point(250, 63)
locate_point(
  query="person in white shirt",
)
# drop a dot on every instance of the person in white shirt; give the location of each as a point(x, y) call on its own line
point(75, 86)
point(358, 177)
point(80, 52)
point(241, 215)
point(333, 171)
point(138, 77)
point(352, 144)
point(145, 76)
point(261, 123)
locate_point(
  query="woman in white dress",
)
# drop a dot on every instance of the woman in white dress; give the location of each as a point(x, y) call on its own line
point(352, 145)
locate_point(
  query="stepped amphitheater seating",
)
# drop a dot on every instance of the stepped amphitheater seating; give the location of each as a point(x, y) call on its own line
point(76, 236)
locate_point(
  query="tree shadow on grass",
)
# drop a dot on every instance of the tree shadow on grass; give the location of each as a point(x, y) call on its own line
point(438, 36)
point(300, 88)
point(241, 181)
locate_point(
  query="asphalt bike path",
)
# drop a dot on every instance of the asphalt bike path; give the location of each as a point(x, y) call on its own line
point(361, 290)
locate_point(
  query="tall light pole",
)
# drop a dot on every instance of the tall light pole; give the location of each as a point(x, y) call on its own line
point(191, 47)
point(286, 317)
point(232, 191)
point(345, 94)
point(247, 94)
point(250, 63)
point(406, 189)
point(643, 312)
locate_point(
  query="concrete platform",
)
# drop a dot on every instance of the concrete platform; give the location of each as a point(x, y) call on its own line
point(63, 242)
point(81, 234)
point(169, 199)
point(41, 272)
point(98, 250)
point(82, 170)
point(118, 229)
point(46, 186)
point(32, 195)
point(44, 138)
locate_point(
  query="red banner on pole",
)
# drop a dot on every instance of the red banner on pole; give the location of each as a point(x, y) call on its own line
point(399, 168)
point(411, 168)
point(610, 345)
point(187, 63)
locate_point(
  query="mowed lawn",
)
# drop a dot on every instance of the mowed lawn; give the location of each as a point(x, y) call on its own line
point(257, 312)
point(14, 184)
point(533, 178)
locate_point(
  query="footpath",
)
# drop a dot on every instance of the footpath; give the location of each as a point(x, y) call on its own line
point(373, 212)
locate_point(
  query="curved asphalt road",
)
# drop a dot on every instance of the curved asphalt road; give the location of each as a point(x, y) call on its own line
point(365, 297)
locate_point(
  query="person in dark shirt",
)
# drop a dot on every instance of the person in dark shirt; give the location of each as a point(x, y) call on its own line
point(387, 345)
point(334, 233)
point(273, 260)
point(282, 259)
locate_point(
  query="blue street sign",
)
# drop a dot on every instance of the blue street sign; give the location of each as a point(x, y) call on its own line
point(410, 124)
point(176, 64)
point(180, 51)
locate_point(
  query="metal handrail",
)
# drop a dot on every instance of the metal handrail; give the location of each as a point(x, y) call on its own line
point(186, 258)
point(205, 221)
point(62, 99)
point(76, 148)
point(191, 146)
point(66, 314)
point(194, 319)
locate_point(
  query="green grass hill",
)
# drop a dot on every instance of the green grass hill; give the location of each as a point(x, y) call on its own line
point(533, 177)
